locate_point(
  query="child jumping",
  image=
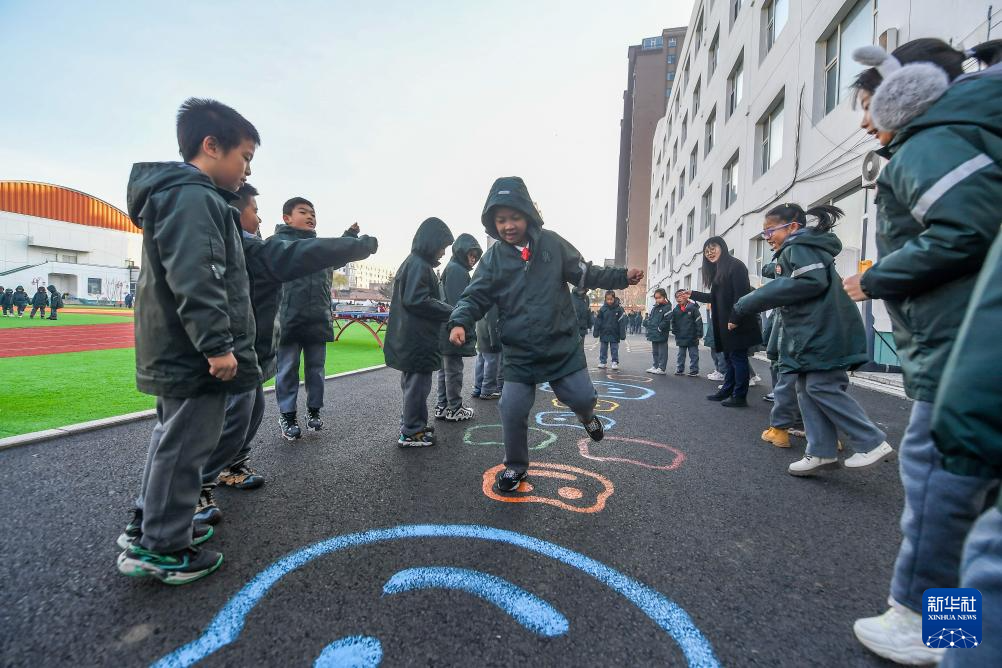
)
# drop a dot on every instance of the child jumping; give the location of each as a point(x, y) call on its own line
point(412, 333)
point(658, 323)
point(822, 336)
point(610, 329)
point(687, 326)
point(527, 276)
point(466, 253)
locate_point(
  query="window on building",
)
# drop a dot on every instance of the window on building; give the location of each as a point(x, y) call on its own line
point(690, 227)
point(854, 31)
point(705, 204)
point(71, 258)
point(685, 128)
point(695, 100)
point(761, 254)
point(770, 130)
point(674, 153)
point(678, 240)
point(672, 43)
point(93, 286)
point(686, 71)
point(671, 77)
point(776, 13)
point(730, 182)
point(697, 37)
point(671, 58)
point(714, 52)
point(711, 122)
point(735, 9)
point(687, 283)
point(650, 43)
point(681, 186)
point(735, 86)
point(692, 162)
point(673, 200)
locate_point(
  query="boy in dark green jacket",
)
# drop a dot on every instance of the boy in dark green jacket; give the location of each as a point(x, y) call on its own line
point(194, 327)
point(487, 378)
point(466, 253)
point(526, 276)
point(687, 326)
point(582, 309)
point(39, 301)
point(55, 302)
point(20, 301)
point(412, 333)
point(610, 328)
point(658, 324)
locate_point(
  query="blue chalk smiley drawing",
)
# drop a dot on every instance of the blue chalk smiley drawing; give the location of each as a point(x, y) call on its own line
point(530, 611)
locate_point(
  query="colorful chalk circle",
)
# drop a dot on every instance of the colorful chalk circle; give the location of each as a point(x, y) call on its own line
point(490, 434)
point(568, 419)
point(351, 652)
point(590, 489)
point(663, 457)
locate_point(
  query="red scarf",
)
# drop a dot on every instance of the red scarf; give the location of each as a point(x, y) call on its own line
point(526, 254)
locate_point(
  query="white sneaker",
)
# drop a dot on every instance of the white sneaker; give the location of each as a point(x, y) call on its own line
point(601, 365)
point(755, 379)
point(897, 635)
point(862, 460)
point(716, 375)
point(660, 372)
point(752, 382)
point(615, 365)
point(653, 369)
point(810, 465)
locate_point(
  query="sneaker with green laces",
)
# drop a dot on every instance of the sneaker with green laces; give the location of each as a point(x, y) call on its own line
point(134, 531)
point(174, 568)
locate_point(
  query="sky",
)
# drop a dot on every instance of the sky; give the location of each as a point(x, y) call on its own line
point(381, 113)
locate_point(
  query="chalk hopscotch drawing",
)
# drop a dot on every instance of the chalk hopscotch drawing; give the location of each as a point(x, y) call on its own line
point(569, 487)
point(675, 456)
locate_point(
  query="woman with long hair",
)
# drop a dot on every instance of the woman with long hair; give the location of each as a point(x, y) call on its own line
point(727, 277)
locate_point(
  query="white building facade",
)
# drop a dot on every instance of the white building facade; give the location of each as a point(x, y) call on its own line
point(761, 113)
point(366, 275)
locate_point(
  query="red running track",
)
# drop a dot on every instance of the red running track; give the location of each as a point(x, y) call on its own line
point(24, 341)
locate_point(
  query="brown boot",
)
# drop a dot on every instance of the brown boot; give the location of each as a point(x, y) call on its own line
point(778, 437)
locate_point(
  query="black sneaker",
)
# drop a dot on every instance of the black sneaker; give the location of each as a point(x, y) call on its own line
point(679, 372)
point(290, 426)
point(508, 480)
point(207, 512)
point(459, 415)
point(313, 420)
point(240, 476)
point(595, 428)
point(439, 412)
point(475, 395)
point(735, 402)
point(490, 396)
point(422, 439)
point(717, 397)
point(694, 373)
point(175, 568)
point(134, 531)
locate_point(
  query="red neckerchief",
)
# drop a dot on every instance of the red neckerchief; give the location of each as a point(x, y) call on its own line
point(526, 253)
point(682, 308)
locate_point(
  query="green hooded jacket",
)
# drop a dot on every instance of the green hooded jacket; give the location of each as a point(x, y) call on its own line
point(967, 419)
point(304, 315)
point(687, 326)
point(610, 323)
point(416, 310)
point(937, 215)
point(455, 278)
point(658, 323)
point(488, 332)
point(193, 294)
point(820, 327)
point(539, 330)
point(582, 309)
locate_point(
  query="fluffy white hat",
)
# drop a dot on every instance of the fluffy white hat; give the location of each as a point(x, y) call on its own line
point(906, 92)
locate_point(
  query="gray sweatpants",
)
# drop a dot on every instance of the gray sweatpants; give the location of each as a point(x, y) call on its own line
point(287, 378)
point(184, 436)
point(243, 417)
point(450, 382)
point(574, 391)
point(785, 411)
point(415, 387)
point(828, 409)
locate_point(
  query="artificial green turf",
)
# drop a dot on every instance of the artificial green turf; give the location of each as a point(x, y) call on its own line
point(46, 391)
point(64, 320)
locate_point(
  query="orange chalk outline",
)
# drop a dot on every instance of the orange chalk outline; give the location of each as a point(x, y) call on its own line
point(549, 470)
point(612, 405)
point(585, 443)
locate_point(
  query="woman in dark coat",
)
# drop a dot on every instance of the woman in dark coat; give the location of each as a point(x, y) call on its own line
point(727, 277)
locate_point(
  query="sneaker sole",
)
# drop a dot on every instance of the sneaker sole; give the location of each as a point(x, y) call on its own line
point(291, 438)
point(210, 519)
point(243, 485)
point(416, 444)
point(878, 460)
point(320, 428)
point(917, 656)
point(458, 419)
point(834, 466)
point(125, 542)
point(135, 568)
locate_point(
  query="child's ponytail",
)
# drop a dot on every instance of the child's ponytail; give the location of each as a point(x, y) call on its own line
point(825, 214)
point(988, 53)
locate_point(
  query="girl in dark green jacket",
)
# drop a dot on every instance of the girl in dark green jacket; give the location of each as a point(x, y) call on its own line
point(822, 336)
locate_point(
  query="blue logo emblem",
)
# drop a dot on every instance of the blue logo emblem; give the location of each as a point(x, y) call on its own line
point(951, 618)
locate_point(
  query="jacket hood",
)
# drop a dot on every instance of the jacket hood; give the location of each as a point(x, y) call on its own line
point(52, 288)
point(462, 246)
point(148, 178)
point(19, 289)
point(284, 230)
point(615, 304)
point(510, 191)
point(825, 241)
point(432, 236)
point(970, 101)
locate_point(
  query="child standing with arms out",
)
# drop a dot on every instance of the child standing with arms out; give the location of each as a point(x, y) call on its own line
point(416, 317)
point(658, 324)
point(610, 329)
point(822, 337)
point(466, 253)
point(687, 326)
point(526, 276)
point(194, 327)
point(39, 301)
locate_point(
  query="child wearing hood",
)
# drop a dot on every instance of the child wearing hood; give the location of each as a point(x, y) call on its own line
point(610, 329)
point(466, 253)
point(20, 300)
point(658, 324)
point(822, 337)
point(7, 301)
point(39, 301)
point(412, 333)
point(526, 276)
point(55, 302)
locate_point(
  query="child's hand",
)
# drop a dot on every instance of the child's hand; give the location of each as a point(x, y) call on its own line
point(223, 367)
point(354, 229)
point(854, 288)
point(731, 326)
point(457, 336)
point(634, 276)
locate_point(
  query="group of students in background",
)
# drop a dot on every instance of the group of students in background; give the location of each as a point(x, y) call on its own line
point(14, 301)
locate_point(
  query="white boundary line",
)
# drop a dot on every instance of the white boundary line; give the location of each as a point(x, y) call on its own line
point(81, 427)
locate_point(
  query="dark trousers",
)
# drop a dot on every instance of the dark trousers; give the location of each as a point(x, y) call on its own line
point(240, 425)
point(37, 308)
point(736, 374)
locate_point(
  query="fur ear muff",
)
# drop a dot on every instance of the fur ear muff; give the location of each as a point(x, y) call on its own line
point(874, 56)
point(907, 94)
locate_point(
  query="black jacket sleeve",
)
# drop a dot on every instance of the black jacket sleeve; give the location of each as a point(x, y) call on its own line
point(282, 260)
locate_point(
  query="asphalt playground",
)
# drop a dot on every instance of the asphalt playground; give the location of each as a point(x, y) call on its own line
point(678, 540)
